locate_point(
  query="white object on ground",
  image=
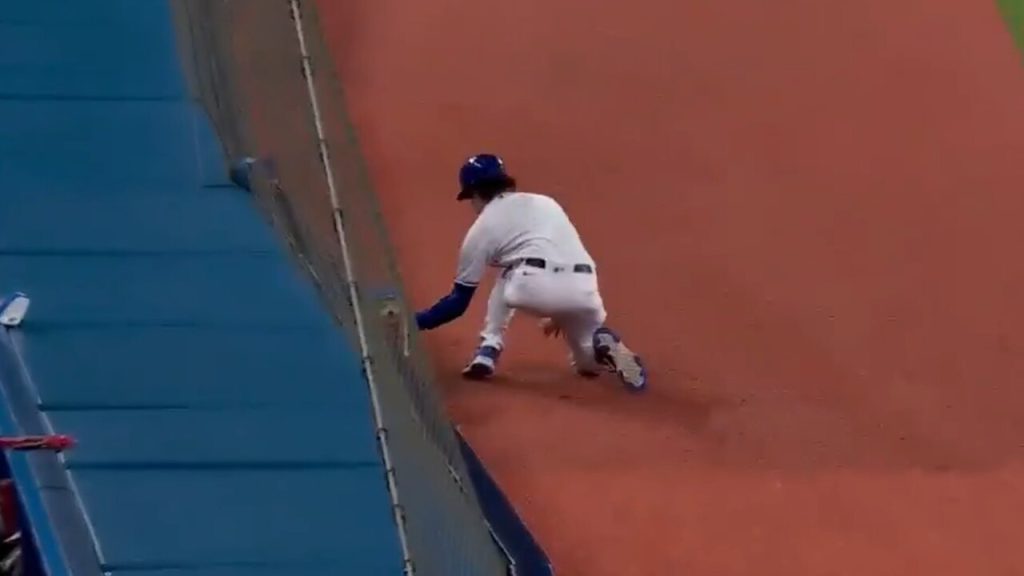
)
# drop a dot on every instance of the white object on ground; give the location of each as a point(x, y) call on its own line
point(13, 309)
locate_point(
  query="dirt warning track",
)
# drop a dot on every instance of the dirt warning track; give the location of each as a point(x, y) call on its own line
point(807, 216)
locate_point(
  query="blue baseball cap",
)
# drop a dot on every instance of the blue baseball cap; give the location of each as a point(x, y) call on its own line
point(481, 170)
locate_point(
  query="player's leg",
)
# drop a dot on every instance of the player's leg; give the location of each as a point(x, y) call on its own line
point(578, 331)
point(526, 289)
point(594, 345)
point(499, 314)
point(610, 351)
point(596, 348)
point(583, 314)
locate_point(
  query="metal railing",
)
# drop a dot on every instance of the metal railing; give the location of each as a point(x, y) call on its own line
point(267, 79)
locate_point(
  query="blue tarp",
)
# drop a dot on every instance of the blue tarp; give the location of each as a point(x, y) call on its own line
point(223, 423)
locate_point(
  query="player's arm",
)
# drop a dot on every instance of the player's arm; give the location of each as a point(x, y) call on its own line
point(449, 308)
point(472, 263)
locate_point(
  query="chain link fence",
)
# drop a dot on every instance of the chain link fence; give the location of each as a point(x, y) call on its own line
point(267, 80)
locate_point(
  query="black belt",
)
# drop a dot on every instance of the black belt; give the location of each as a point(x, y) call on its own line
point(543, 264)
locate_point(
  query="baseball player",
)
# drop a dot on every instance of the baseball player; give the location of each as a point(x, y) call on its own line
point(546, 272)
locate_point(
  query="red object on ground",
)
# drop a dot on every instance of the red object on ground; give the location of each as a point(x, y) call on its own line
point(807, 218)
point(48, 442)
point(8, 508)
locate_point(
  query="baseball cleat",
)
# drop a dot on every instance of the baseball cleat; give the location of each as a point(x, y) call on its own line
point(483, 364)
point(610, 351)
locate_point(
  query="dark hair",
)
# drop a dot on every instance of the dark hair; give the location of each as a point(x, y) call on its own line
point(489, 189)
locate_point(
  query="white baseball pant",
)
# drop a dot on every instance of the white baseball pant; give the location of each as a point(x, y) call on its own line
point(556, 291)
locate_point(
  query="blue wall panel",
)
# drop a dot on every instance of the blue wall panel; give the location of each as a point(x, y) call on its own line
point(172, 362)
point(220, 438)
point(223, 423)
point(213, 289)
point(117, 49)
point(93, 145)
point(70, 220)
point(242, 515)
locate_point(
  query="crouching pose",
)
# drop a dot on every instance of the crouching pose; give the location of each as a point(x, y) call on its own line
point(546, 272)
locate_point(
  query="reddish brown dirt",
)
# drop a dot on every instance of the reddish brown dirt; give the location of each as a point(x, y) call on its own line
point(808, 219)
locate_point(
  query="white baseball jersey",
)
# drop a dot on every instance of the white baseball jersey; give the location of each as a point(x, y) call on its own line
point(516, 225)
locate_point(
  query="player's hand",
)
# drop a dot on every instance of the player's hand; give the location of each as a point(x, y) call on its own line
point(550, 328)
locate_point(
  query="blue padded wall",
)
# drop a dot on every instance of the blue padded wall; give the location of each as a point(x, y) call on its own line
point(223, 423)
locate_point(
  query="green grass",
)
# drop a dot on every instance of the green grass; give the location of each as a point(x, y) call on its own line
point(1013, 13)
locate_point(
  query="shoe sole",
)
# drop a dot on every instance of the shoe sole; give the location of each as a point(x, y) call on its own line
point(478, 372)
point(623, 362)
point(483, 364)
